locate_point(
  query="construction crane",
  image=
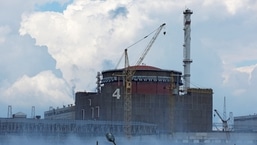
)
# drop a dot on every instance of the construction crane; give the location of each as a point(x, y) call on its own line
point(224, 121)
point(129, 73)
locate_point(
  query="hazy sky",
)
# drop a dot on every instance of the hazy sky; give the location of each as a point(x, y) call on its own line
point(51, 48)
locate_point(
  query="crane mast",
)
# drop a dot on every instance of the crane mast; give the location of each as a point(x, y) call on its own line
point(224, 122)
point(129, 73)
point(140, 60)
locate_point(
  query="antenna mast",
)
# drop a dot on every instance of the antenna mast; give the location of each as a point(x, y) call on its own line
point(224, 109)
point(9, 113)
point(33, 112)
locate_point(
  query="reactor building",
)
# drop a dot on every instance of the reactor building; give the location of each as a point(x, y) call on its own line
point(156, 101)
point(144, 99)
point(161, 99)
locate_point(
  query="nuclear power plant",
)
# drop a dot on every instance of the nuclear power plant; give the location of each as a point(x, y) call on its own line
point(155, 100)
point(139, 100)
point(143, 94)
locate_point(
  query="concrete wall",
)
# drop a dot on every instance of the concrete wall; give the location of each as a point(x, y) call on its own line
point(191, 112)
point(245, 123)
point(154, 101)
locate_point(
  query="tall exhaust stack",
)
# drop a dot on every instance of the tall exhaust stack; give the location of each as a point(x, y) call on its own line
point(187, 38)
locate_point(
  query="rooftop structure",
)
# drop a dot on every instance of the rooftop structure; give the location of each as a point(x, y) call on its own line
point(66, 112)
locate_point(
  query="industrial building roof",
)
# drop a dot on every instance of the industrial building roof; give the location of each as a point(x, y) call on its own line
point(142, 67)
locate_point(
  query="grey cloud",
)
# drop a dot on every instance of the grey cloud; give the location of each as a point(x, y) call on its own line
point(119, 11)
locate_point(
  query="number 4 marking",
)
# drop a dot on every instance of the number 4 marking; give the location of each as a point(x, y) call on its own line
point(116, 93)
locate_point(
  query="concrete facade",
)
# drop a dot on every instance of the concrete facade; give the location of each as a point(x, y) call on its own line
point(153, 101)
point(67, 112)
point(245, 123)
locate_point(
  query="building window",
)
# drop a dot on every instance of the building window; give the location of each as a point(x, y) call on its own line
point(92, 112)
point(89, 102)
point(83, 114)
point(97, 111)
